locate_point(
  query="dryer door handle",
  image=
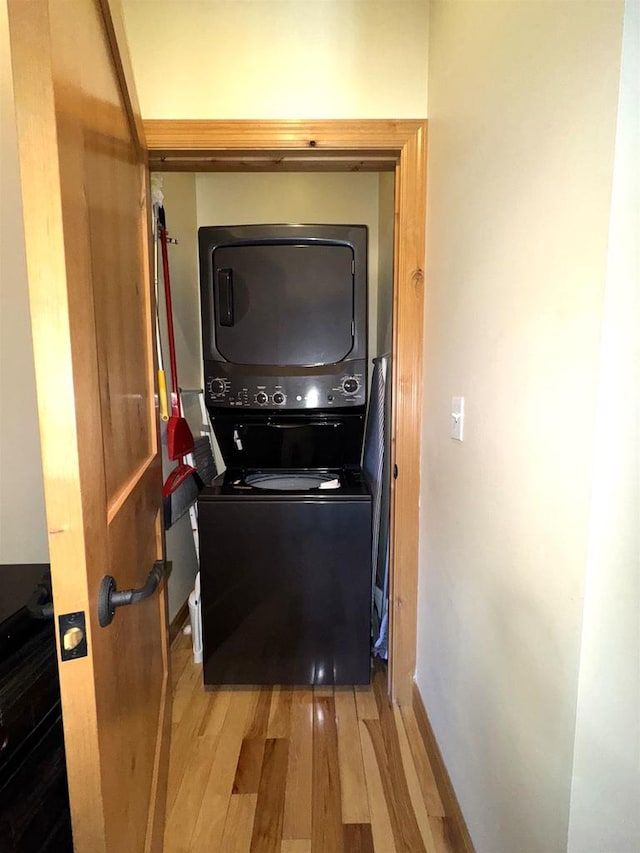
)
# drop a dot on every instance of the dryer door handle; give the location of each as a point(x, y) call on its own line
point(225, 297)
point(303, 425)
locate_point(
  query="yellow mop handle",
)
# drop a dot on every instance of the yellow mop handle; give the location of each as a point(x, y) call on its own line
point(162, 396)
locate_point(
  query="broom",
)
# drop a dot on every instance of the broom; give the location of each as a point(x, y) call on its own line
point(180, 490)
point(179, 438)
point(179, 493)
point(163, 400)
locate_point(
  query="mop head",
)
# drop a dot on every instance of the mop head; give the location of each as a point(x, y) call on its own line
point(179, 494)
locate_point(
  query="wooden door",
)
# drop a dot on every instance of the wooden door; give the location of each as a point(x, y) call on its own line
point(85, 210)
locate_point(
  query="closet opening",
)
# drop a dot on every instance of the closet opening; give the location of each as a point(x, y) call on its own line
point(369, 173)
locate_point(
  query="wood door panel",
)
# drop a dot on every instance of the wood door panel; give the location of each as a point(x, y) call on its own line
point(132, 530)
point(85, 202)
point(129, 428)
point(127, 698)
point(104, 189)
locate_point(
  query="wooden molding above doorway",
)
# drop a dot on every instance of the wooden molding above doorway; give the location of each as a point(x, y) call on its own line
point(348, 145)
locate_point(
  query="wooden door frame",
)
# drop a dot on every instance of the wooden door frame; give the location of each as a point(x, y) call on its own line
point(345, 145)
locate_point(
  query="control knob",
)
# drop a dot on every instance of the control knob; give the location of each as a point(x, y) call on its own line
point(350, 385)
point(262, 398)
point(278, 398)
point(217, 386)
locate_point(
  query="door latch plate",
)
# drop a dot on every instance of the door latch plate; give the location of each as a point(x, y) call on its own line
point(73, 635)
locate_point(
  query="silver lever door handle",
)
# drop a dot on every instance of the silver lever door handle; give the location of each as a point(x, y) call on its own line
point(109, 597)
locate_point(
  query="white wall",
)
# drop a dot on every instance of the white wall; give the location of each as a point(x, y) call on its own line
point(279, 59)
point(522, 103)
point(180, 207)
point(605, 802)
point(23, 531)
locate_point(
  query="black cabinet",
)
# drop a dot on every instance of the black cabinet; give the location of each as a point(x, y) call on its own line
point(286, 589)
point(34, 800)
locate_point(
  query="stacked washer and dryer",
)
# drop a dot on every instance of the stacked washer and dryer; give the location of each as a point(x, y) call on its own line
point(285, 531)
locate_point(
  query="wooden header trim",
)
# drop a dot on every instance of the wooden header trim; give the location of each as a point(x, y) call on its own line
point(283, 135)
point(283, 145)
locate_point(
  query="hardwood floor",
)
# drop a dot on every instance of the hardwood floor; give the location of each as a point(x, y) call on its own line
point(296, 770)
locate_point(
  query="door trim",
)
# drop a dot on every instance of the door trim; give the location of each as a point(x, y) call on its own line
point(348, 145)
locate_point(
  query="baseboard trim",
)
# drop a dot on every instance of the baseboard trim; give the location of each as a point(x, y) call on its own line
point(178, 621)
point(458, 832)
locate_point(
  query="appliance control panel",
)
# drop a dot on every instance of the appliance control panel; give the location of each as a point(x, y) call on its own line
point(234, 390)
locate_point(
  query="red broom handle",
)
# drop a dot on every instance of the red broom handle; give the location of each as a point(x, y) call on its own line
point(175, 402)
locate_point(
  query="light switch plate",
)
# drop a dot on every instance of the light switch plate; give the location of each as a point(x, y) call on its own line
point(457, 418)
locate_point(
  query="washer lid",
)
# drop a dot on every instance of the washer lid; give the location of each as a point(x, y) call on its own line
point(292, 481)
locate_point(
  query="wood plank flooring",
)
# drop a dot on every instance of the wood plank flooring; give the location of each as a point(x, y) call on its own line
point(296, 770)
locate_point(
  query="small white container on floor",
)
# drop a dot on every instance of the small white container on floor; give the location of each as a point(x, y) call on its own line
point(195, 617)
